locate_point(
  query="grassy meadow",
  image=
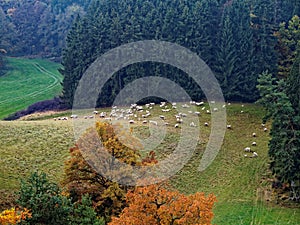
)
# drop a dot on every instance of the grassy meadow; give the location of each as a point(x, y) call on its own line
point(27, 81)
point(242, 185)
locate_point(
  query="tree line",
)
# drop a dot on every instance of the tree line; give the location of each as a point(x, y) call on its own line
point(37, 28)
point(235, 38)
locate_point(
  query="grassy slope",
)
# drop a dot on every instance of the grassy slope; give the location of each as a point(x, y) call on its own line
point(237, 181)
point(26, 82)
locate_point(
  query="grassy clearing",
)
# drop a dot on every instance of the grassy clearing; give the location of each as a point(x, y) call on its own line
point(26, 82)
point(238, 182)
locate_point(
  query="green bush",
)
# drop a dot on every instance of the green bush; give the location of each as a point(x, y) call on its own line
point(45, 201)
point(48, 206)
point(84, 214)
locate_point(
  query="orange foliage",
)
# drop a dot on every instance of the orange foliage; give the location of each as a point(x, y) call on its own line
point(13, 216)
point(155, 205)
point(82, 178)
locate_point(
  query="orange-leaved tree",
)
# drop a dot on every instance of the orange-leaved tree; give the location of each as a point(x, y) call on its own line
point(153, 205)
point(13, 216)
point(82, 174)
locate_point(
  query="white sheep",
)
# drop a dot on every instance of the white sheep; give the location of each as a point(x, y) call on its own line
point(254, 143)
point(199, 103)
point(254, 155)
point(228, 126)
point(192, 124)
point(247, 149)
point(162, 117)
point(73, 116)
point(179, 120)
point(102, 114)
point(265, 129)
point(131, 121)
point(254, 135)
point(206, 124)
point(176, 125)
point(153, 122)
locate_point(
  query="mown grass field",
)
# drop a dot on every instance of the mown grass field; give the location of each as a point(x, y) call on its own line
point(240, 184)
point(26, 82)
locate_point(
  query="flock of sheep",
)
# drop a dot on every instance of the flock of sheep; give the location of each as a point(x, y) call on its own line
point(143, 114)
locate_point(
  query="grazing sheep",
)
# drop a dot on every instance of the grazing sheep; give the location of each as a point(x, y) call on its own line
point(254, 143)
point(253, 134)
point(179, 120)
point(242, 111)
point(162, 104)
point(139, 108)
point(162, 117)
point(145, 121)
point(228, 103)
point(265, 129)
point(102, 114)
point(247, 149)
point(206, 124)
point(207, 111)
point(147, 115)
point(73, 116)
point(254, 155)
point(228, 126)
point(183, 115)
point(176, 125)
point(197, 113)
point(131, 121)
point(153, 122)
point(192, 124)
point(95, 112)
point(199, 103)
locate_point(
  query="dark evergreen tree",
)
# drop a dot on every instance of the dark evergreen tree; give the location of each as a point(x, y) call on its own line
point(264, 25)
point(284, 146)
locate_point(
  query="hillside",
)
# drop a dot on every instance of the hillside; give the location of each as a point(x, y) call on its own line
point(240, 184)
point(26, 82)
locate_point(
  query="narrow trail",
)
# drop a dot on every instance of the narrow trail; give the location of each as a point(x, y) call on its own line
point(42, 70)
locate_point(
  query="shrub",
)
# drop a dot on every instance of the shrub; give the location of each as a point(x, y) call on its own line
point(44, 200)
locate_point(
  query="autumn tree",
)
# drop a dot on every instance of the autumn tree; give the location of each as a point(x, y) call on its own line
point(154, 204)
point(14, 216)
point(82, 178)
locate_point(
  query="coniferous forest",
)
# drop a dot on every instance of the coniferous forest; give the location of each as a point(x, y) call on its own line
point(237, 38)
